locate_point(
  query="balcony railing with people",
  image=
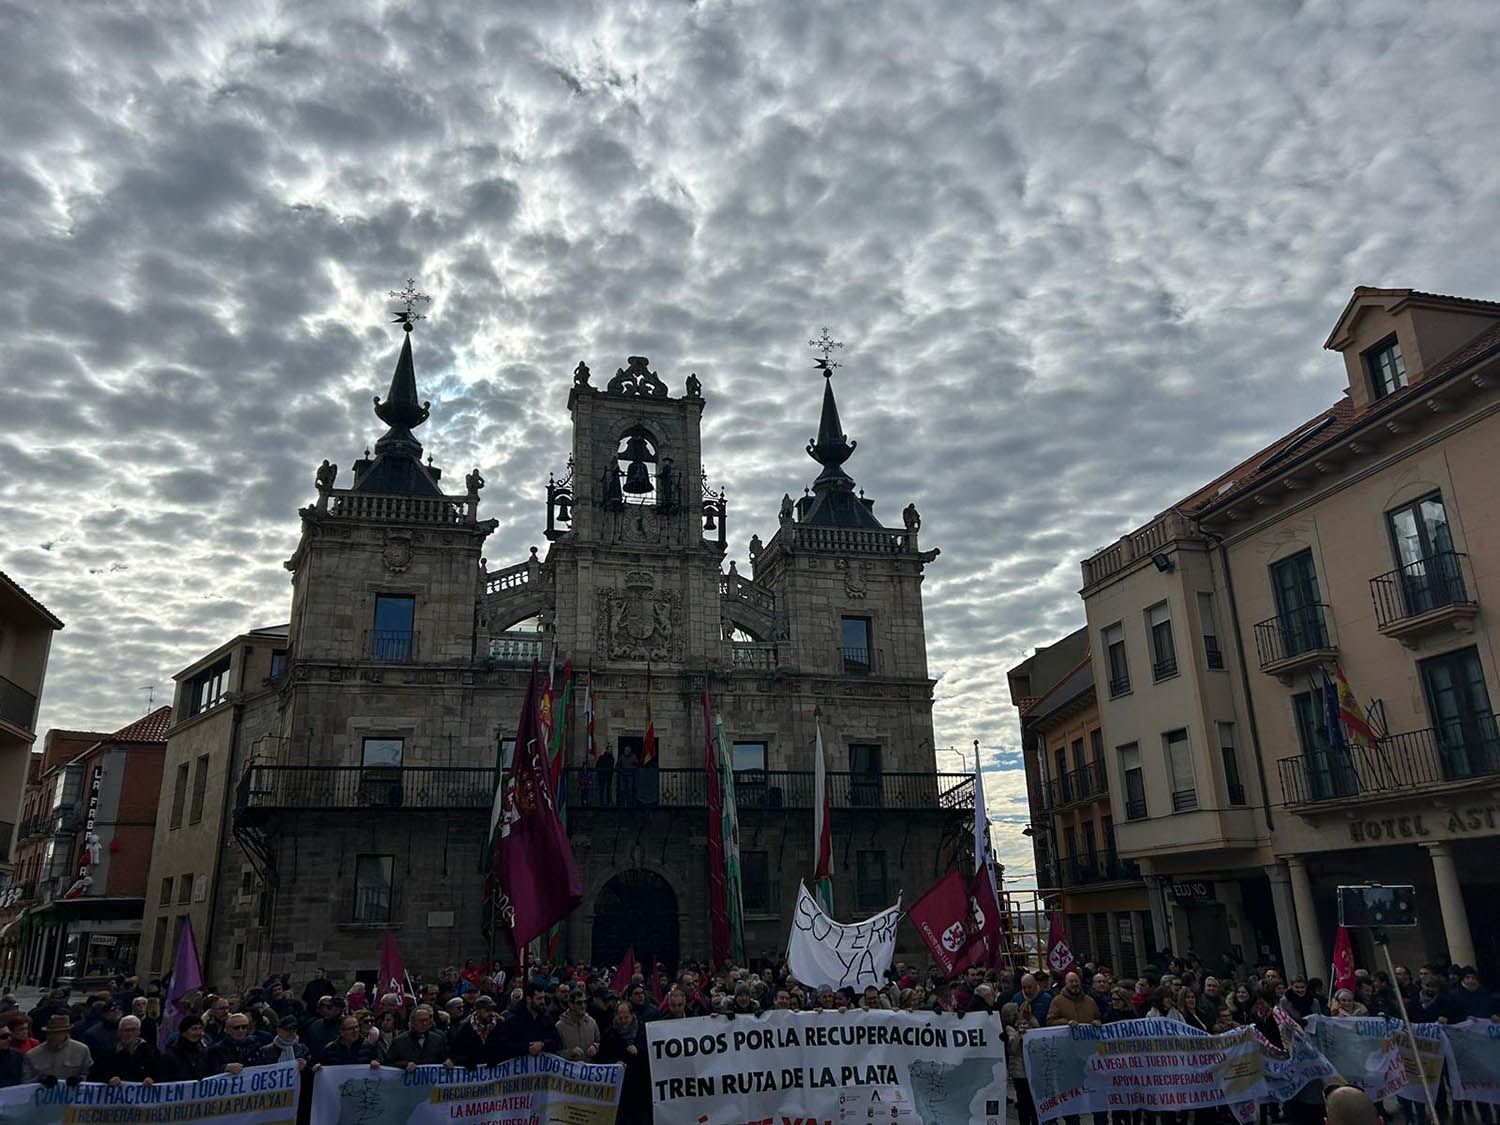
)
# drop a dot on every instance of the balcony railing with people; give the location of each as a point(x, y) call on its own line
point(1462, 750)
point(1078, 785)
point(17, 705)
point(1294, 639)
point(433, 788)
point(1422, 592)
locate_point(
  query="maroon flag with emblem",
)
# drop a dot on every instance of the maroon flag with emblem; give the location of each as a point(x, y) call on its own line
point(539, 882)
point(958, 921)
point(1059, 952)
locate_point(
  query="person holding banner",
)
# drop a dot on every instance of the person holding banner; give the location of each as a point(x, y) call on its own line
point(624, 1042)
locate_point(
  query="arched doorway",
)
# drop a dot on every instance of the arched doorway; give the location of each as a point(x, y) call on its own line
point(637, 907)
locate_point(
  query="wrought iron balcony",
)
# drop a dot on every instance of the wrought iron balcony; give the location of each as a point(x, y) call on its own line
point(856, 660)
point(433, 788)
point(1119, 685)
point(1078, 785)
point(1426, 594)
point(1135, 809)
point(17, 705)
point(1164, 669)
point(393, 645)
point(1213, 654)
point(1396, 765)
point(1106, 867)
point(1297, 639)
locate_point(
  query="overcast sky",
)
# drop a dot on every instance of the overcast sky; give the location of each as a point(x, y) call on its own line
point(1083, 256)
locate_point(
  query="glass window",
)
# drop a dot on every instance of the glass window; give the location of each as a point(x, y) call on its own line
point(1180, 769)
point(864, 774)
point(394, 618)
point(200, 789)
point(278, 662)
point(166, 891)
point(1135, 781)
point(179, 795)
point(755, 881)
point(1386, 367)
point(1064, 782)
point(1463, 724)
point(373, 887)
point(1090, 843)
point(1070, 842)
point(1213, 656)
point(383, 753)
point(507, 753)
point(1126, 967)
point(855, 635)
point(208, 688)
point(1163, 651)
point(1299, 610)
point(184, 890)
point(1427, 567)
point(748, 756)
point(869, 881)
point(1232, 784)
point(1119, 669)
point(1328, 771)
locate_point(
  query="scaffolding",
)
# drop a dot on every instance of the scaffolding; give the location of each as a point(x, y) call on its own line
point(1024, 918)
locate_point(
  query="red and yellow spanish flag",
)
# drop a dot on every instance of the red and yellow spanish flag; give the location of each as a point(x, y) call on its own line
point(1356, 723)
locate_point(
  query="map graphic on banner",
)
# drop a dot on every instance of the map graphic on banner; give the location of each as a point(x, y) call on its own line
point(530, 1090)
point(265, 1095)
point(907, 1068)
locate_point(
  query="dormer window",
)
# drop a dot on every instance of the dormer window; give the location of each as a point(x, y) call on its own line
point(1386, 367)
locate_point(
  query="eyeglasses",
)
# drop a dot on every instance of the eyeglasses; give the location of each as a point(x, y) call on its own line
point(239, 1027)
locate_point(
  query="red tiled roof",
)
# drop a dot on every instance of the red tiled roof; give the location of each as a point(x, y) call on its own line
point(96, 735)
point(1343, 417)
point(151, 728)
point(7, 580)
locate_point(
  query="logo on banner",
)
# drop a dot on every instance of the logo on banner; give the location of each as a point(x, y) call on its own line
point(1060, 957)
point(954, 937)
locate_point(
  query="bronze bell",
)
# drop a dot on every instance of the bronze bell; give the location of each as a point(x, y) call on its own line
point(612, 486)
point(565, 507)
point(637, 477)
point(708, 518)
point(636, 449)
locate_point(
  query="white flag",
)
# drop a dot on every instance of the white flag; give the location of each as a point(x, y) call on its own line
point(828, 954)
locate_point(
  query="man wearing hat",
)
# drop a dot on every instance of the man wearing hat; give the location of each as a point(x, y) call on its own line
point(58, 1056)
point(325, 1029)
point(477, 1041)
point(286, 1047)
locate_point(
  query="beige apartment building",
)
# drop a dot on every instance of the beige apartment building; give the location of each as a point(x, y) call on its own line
point(1108, 915)
point(1364, 543)
point(26, 628)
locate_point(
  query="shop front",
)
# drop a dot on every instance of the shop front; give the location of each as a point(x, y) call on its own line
point(82, 943)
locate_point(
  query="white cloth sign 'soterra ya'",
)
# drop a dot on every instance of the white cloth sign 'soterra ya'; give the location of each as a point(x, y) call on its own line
point(829, 954)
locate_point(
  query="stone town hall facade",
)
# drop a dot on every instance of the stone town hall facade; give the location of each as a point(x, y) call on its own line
point(342, 767)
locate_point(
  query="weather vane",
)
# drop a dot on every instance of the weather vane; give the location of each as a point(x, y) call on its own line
point(409, 297)
point(825, 344)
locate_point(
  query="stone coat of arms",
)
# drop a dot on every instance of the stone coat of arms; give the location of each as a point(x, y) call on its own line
point(640, 622)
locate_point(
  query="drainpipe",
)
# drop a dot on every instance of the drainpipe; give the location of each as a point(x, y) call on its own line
point(1239, 652)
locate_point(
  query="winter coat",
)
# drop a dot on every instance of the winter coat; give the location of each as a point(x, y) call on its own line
point(128, 1066)
point(405, 1048)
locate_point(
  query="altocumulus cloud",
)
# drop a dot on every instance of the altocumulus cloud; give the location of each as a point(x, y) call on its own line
point(1083, 256)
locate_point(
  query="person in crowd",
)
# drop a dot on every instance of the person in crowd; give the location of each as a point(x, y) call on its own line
point(1344, 1004)
point(1431, 1004)
point(624, 1041)
point(58, 1057)
point(133, 1058)
point(478, 1041)
point(19, 1026)
point(285, 1047)
point(422, 1044)
point(1119, 1006)
point(1349, 1105)
point(1299, 1001)
point(1212, 999)
point(324, 1029)
point(355, 999)
point(1072, 1005)
point(186, 1058)
point(1163, 1004)
point(147, 1009)
point(1017, 1019)
point(349, 1049)
point(318, 986)
point(237, 1050)
point(1032, 993)
point(1241, 1005)
point(531, 1031)
point(1195, 1013)
point(1470, 1000)
point(215, 1020)
point(12, 1062)
point(1262, 1019)
point(578, 1032)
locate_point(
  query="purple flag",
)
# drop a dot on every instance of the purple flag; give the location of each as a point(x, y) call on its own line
point(187, 976)
point(539, 881)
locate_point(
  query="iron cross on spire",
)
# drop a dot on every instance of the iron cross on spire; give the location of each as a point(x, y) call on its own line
point(827, 345)
point(409, 297)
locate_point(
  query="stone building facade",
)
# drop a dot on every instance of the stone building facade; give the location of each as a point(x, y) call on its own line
point(364, 768)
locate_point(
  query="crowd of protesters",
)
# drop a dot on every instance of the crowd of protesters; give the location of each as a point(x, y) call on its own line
point(474, 1018)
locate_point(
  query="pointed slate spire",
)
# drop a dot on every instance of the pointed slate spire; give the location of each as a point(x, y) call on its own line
point(397, 466)
point(833, 503)
point(401, 411)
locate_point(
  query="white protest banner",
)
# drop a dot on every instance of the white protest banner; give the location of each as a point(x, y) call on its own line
point(265, 1095)
point(1363, 1050)
point(1159, 1065)
point(1476, 1056)
point(523, 1091)
point(829, 954)
point(898, 1068)
point(1432, 1046)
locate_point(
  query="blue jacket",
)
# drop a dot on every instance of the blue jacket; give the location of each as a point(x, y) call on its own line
point(1039, 1006)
